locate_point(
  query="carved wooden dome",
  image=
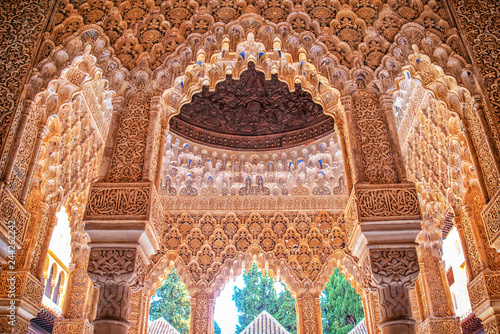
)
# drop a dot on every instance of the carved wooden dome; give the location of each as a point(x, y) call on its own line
point(252, 113)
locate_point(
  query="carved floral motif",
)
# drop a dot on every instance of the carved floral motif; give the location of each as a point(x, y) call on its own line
point(373, 138)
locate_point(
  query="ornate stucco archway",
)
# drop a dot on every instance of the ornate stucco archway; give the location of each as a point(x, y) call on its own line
point(116, 74)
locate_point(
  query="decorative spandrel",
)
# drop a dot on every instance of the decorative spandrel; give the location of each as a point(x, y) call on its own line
point(252, 113)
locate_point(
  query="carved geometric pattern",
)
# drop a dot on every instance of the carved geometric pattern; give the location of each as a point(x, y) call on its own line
point(274, 203)
point(491, 219)
point(373, 138)
point(13, 217)
point(482, 35)
point(112, 264)
point(225, 238)
point(25, 20)
point(130, 146)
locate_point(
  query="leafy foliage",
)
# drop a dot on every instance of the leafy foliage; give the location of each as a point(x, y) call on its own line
point(341, 306)
point(258, 295)
point(217, 329)
point(171, 302)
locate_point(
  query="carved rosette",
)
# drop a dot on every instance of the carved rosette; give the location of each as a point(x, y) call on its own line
point(394, 270)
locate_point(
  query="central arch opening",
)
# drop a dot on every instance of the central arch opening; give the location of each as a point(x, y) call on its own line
point(252, 300)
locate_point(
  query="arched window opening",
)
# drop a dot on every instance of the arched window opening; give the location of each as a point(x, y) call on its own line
point(254, 299)
point(454, 259)
point(50, 281)
point(170, 306)
point(341, 306)
point(58, 259)
point(55, 295)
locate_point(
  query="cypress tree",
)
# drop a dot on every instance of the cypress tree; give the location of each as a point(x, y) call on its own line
point(341, 306)
point(258, 295)
point(171, 302)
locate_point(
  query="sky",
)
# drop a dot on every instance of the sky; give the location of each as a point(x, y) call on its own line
point(226, 313)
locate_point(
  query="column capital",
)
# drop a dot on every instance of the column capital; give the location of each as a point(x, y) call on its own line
point(124, 214)
point(117, 264)
point(392, 266)
point(388, 213)
point(394, 271)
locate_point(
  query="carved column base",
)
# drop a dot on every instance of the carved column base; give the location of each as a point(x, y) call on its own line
point(448, 325)
point(398, 327)
point(76, 326)
point(491, 219)
point(309, 313)
point(110, 327)
point(485, 299)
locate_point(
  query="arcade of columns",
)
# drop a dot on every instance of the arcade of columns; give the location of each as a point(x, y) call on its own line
point(89, 93)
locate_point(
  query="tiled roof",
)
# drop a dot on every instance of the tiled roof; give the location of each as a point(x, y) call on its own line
point(472, 324)
point(360, 328)
point(161, 326)
point(264, 324)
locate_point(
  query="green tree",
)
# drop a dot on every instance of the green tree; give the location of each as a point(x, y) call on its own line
point(217, 329)
point(341, 306)
point(258, 295)
point(171, 302)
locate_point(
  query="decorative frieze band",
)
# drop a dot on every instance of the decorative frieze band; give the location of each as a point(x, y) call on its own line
point(255, 203)
point(118, 201)
point(398, 201)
